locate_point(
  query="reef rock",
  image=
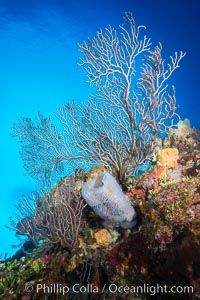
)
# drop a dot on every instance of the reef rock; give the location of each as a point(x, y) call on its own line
point(104, 195)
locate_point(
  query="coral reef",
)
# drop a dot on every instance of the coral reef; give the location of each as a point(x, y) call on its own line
point(163, 249)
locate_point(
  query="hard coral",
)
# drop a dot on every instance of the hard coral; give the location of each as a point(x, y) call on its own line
point(169, 157)
point(103, 238)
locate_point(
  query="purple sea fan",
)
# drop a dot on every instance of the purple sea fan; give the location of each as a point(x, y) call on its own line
point(104, 195)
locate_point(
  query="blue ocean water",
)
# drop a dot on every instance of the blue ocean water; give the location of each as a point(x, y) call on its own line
point(38, 68)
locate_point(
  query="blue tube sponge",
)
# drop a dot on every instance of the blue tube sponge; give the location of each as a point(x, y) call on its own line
point(104, 195)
